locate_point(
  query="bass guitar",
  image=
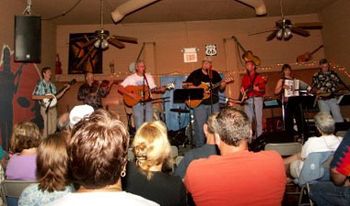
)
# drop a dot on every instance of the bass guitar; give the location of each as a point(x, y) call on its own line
point(47, 102)
point(196, 102)
point(142, 93)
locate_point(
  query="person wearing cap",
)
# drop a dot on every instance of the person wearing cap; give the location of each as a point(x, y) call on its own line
point(253, 91)
point(142, 111)
point(92, 91)
point(326, 83)
point(208, 76)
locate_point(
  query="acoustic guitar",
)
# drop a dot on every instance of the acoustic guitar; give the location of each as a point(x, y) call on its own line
point(247, 54)
point(46, 102)
point(196, 102)
point(307, 56)
point(138, 92)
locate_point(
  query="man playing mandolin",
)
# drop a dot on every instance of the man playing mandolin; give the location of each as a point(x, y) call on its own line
point(139, 87)
point(205, 75)
point(253, 87)
point(326, 83)
point(46, 90)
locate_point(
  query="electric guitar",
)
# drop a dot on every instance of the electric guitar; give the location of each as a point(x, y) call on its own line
point(140, 94)
point(243, 96)
point(47, 102)
point(339, 91)
point(196, 102)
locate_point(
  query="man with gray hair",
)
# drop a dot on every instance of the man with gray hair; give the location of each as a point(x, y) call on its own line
point(237, 176)
point(327, 142)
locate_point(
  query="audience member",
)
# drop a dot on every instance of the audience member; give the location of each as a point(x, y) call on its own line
point(336, 192)
point(237, 176)
point(51, 172)
point(325, 124)
point(152, 151)
point(202, 152)
point(97, 159)
point(23, 144)
point(78, 113)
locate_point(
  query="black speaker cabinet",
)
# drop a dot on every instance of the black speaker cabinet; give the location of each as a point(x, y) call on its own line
point(28, 39)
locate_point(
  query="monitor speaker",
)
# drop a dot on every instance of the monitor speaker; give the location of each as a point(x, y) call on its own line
point(28, 39)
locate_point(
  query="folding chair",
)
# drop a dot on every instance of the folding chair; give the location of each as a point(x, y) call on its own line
point(13, 188)
point(284, 149)
point(305, 189)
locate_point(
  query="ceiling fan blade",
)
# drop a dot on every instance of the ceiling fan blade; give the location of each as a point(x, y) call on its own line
point(272, 35)
point(262, 32)
point(115, 42)
point(300, 31)
point(126, 39)
point(309, 25)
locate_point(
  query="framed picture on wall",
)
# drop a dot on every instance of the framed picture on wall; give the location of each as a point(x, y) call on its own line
point(83, 56)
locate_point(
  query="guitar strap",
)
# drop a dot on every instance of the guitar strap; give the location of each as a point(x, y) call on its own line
point(251, 86)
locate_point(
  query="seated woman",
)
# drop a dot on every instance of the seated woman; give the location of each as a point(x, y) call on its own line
point(51, 172)
point(327, 142)
point(97, 159)
point(152, 151)
point(23, 144)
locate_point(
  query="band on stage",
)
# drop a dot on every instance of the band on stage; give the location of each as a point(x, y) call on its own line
point(200, 93)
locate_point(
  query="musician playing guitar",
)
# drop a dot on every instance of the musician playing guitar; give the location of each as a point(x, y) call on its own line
point(253, 85)
point(201, 113)
point(45, 89)
point(326, 82)
point(139, 86)
point(92, 91)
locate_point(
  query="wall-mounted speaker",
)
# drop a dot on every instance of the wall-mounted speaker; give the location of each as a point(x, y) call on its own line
point(28, 39)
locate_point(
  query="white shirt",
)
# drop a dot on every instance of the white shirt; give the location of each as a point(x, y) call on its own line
point(103, 198)
point(324, 143)
point(320, 144)
point(136, 80)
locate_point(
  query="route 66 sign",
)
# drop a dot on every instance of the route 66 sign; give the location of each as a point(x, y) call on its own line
point(211, 50)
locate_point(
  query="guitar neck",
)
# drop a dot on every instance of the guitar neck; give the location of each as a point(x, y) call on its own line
point(239, 44)
point(314, 51)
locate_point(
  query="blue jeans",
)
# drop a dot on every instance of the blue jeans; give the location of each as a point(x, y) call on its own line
point(326, 193)
point(139, 112)
point(331, 106)
point(201, 114)
point(249, 109)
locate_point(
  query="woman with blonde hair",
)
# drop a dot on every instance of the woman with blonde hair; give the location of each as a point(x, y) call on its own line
point(52, 172)
point(145, 177)
point(24, 142)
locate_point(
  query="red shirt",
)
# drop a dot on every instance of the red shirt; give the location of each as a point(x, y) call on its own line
point(247, 84)
point(243, 178)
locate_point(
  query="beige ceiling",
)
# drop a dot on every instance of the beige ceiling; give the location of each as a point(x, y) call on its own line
point(87, 11)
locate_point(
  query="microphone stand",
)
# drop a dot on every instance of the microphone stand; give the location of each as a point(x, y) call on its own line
point(283, 106)
point(210, 74)
point(145, 84)
point(47, 116)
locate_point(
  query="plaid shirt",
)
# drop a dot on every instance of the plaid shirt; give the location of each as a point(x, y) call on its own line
point(44, 87)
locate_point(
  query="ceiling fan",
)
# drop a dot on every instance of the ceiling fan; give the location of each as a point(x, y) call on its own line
point(102, 38)
point(284, 28)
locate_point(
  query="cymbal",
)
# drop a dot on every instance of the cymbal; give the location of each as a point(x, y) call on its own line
point(179, 110)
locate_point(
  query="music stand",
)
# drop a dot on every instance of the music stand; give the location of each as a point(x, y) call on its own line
point(305, 103)
point(183, 95)
point(344, 100)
